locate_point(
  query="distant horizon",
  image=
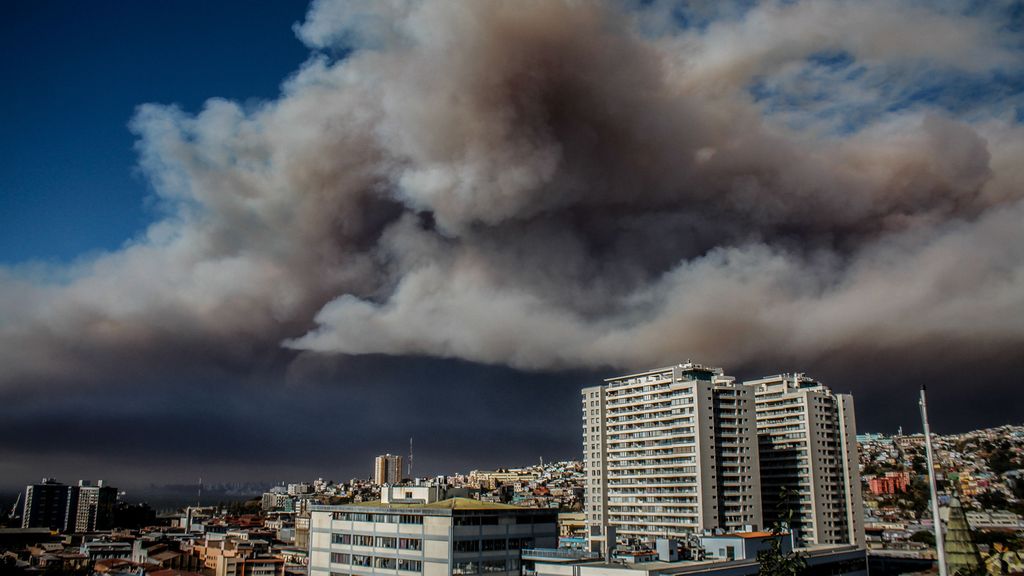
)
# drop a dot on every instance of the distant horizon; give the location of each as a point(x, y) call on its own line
point(183, 487)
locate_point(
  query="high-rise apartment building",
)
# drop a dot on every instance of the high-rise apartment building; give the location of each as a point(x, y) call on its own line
point(387, 469)
point(808, 451)
point(670, 452)
point(94, 509)
point(82, 508)
point(46, 505)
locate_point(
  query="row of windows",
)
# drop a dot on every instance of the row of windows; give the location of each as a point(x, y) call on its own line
point(376, 562)
point(493, 520)
point(378, 542)
point(491, 545)
point(486, 566)
point(379, 518)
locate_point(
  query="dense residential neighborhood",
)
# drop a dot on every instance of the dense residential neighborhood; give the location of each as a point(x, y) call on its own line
point(87, 529)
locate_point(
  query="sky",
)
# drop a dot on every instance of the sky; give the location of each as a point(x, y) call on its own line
point(268, 241)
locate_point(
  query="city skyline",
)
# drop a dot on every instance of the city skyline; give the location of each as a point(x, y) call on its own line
point(271, 242)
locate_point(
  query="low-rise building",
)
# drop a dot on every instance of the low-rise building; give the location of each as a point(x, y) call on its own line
point(443, 538)
point(104, 549)
point(834, 560)
point(742, 545)
point(995, 520)
point(891, 483)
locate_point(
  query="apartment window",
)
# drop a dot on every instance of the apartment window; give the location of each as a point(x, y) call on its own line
point(410, 544)
point(338, 558)
point(411, 519)
point(410, 565)
point(492, 544)
point(341, 538)
point(460, 568)
point(492, 566)
point(520, 543)
point(466, 546)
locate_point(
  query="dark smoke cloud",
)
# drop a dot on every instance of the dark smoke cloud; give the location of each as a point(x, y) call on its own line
point(551, 185)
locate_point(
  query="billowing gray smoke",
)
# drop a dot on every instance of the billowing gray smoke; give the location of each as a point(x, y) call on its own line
point(562, 184)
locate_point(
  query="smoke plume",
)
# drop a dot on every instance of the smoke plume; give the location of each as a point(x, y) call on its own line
point(560, 184)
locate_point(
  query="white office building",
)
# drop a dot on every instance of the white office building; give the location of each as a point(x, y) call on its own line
point(449, 537)
point(808, 448)
point(670, 452)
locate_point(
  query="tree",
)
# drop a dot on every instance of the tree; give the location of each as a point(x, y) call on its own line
point(918, 496)
point(8, 565)
point(773, 562)
point(924, 536)
point(1001, 461)
point(992, 500)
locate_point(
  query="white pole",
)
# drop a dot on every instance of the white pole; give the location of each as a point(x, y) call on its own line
point(940, 548)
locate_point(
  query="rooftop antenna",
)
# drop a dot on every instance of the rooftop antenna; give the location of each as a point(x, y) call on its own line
point(939, 545)
point(410, 457)
point(199, 494)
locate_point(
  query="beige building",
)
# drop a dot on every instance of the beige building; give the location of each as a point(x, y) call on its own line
point(808, 447)
point(491, 479)
point(387, 469)
point(448, 537)
point(232, 555)
point(670, 452)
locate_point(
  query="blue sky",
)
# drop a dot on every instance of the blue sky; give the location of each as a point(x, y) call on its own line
point(75, 71)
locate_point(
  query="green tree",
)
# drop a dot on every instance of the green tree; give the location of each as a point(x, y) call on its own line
point(773, 562)
point(924, 536)
point(992, 500)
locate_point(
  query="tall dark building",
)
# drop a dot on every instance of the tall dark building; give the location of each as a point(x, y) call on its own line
point(48, 505)
point(94, 509)
point(82, 508)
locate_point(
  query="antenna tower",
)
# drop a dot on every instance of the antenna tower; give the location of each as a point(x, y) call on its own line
point(937, 521)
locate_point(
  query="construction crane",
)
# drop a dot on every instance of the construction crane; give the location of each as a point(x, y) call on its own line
point(14, 509)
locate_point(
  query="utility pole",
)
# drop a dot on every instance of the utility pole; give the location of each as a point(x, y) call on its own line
point(940, 548)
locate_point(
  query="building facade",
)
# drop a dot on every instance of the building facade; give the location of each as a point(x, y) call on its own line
point(448, 537)
point(387, 469)
point(94, 509)
point(56, 506)
point(808, 458)
point(831, 560)
point(890, 483)
point(670, 452)
point(47, 505)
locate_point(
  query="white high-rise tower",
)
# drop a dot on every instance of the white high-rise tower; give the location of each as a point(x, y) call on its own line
point(808, 449)
point(670, 452)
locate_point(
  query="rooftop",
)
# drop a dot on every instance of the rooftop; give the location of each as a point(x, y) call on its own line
point(457, 503)
point(756, 534)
